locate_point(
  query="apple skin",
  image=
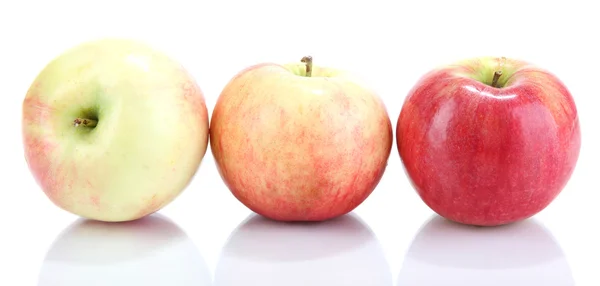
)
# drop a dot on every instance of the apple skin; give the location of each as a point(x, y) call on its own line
point(484, 155)
point(297, 148)
point(151, 135)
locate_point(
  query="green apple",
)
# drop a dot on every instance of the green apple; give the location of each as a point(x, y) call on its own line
point(114, 130)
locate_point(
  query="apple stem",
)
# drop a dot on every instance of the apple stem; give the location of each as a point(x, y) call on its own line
point(497, 75)
point(309, 62)
point(85, 122)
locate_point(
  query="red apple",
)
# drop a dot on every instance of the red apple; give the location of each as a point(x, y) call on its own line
point(489, 141)
point(299, 142)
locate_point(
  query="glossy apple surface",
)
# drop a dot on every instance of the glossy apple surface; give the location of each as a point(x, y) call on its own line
point(489, 154)
point(293, 147)
point(114, 130)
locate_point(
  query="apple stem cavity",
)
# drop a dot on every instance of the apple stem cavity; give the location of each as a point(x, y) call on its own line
point(497, 75)
point(309, 63)
point(84, 122)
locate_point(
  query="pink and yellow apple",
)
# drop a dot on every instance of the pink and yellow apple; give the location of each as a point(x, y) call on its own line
point(299, 142)
point(489, 141)
point(114, 130)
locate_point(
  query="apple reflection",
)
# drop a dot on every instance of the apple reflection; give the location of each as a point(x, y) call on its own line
point(447, 253)
point(342, 251)
point(151, 251)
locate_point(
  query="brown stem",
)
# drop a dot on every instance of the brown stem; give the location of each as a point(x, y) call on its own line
point(309, 63)
point(498, 72)
point(85, 122)
point(497, 75)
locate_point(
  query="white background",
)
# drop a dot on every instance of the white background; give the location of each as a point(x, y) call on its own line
point(391, 44)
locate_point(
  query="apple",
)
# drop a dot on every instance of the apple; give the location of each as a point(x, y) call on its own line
point(488, 141)
point(299, 142)
point(113, 130)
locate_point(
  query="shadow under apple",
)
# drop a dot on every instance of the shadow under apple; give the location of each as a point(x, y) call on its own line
point(447, 253)
point(342, 251)
point(150, 251)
